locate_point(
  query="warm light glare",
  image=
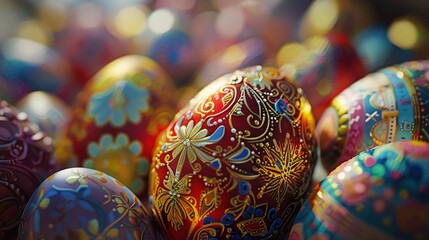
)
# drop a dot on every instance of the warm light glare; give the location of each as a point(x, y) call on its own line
point(130, 21)
point(39, 103)
point(341, 175)
point(320, 17)
point(404, 34)
point(53, 13)
point(290, 53)
point(323, 14)
point(317, 44)
point(233, 56)
point(230, 22)
point(36, 31)
point(161, 20)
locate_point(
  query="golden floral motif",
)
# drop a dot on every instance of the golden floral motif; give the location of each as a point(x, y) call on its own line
point(189, 141)
point(175, 200)
point(282, 170)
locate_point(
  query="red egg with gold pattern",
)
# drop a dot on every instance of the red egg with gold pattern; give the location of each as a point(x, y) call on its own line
point(237, 161)
point(117, 118)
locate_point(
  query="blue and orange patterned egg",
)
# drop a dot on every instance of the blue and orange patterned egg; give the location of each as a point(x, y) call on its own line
point(382, 193)
point(81, 203)
point(236, 162)
point(386, 106)
point(25, 161)
point(117, 118)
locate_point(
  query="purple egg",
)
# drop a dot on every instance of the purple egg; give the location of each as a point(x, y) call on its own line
point(25, 161)
point(81, 203)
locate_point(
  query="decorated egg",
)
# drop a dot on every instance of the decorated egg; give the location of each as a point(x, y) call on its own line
point(237, 161)
point(25, 161)
point(117, 118)
point(27, 66)
point(81, 203)
point(322, 66)
point(382, 193)
point(385, 106)
point(48, 111)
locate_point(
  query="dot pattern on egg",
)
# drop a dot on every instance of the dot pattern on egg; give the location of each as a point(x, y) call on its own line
point(382, 193)
point(237, 161)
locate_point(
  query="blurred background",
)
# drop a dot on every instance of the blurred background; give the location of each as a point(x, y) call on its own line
point(51, 49)
point(58, 45)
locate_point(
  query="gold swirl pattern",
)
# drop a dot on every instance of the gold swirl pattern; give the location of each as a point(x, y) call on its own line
point(237, 161)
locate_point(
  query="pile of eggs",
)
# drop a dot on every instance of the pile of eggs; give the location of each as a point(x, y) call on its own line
point(302, 143)
point(236, 162)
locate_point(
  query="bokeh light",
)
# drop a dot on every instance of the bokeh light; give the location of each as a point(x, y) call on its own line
point(320, 18)
point(25, 50)
point(130, 21)
point(161, 20)
point(36, 31)
point(53, 13)
point(88, 15)
point(405, 33)
point(230, 22)
point(376, 49)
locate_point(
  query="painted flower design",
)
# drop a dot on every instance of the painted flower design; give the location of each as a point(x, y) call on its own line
point(117, 104)
point(189, 142)
point(120, 159)
point(175, 200)
point(284, 171)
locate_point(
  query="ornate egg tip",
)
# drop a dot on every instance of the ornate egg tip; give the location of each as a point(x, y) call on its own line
point(372, 196)
point(237, 161)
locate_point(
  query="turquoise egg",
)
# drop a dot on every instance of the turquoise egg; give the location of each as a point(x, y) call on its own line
point(382, 193)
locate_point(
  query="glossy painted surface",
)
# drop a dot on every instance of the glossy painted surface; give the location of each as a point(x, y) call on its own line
point(237, 161)
point(386, 106)
point(382, 193)
point(117, 118)
point(80, 203)
point(25, 161)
